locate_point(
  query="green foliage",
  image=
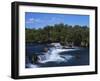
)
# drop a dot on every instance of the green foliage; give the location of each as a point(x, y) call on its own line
point(63, 33)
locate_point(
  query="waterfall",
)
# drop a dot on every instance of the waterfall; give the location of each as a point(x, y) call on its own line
point(53, 55)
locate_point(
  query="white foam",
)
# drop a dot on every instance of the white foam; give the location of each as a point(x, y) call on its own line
point(53, 56)
point(29, 65)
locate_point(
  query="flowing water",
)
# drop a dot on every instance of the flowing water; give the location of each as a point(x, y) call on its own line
point(55, 56)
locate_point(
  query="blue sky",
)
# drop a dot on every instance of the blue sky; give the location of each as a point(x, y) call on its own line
point(39, 20)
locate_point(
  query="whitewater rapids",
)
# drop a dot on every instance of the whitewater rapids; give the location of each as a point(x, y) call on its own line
point(53, 56)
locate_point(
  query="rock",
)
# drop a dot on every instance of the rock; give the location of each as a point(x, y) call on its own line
point(34, 59)
point(45, 49)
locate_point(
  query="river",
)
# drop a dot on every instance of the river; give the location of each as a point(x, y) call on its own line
point(55, 56)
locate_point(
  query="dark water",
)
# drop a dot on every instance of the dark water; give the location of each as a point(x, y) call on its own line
point(76, 57)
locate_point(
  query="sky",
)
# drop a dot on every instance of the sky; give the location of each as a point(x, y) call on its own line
point(40, 20)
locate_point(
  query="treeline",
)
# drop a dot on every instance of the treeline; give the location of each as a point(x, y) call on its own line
point(63, 33)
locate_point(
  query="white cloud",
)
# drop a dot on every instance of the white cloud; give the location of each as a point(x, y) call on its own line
point(32, 20)
point(38, 20)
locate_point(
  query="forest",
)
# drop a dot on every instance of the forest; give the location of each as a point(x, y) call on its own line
point(63, 33)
